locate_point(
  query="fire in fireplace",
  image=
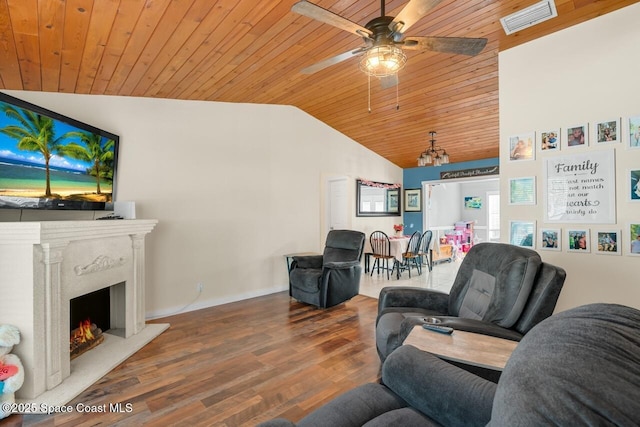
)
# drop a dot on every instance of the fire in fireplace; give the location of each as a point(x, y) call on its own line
point(89, 318)
point(85, 337)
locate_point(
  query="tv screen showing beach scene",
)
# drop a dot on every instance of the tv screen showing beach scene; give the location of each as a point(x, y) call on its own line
point(49, 161)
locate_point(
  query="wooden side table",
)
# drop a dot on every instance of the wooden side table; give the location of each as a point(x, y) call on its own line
point(468, 348)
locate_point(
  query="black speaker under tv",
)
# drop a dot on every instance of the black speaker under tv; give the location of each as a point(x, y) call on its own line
point(50, 161)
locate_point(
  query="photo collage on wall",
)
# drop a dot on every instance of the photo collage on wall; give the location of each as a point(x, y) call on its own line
point(575, 189)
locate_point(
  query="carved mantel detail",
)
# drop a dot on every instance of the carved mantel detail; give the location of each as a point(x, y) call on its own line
point(101, 263)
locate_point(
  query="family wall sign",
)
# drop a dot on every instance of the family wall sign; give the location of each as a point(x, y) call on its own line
point(581, 188)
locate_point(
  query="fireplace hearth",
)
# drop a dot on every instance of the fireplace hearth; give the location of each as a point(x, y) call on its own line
point(50, 264)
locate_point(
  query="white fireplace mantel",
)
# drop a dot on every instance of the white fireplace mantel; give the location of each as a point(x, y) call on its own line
point(43, 265)
point(66, 231)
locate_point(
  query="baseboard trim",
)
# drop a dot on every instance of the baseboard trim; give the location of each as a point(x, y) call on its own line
point(199, 305)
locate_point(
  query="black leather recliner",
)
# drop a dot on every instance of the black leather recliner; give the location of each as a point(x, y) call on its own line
point(333, 277)
point(500, 290)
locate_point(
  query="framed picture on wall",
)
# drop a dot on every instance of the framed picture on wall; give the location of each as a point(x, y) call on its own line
point(577, 136)
point(549, 140)
point(522, 233)
point(607, 132)
point(472, 202)
point(606, 242)
point(413, 200)
point(634, 185)
point(521, 147)
point(578, 240)
point(633, 130)
point(634, 238)
point(393, 204)
point(580, 187)
point(551, 239)
point(522, 191)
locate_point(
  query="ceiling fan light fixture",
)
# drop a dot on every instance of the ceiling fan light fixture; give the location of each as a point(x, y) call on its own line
point(383, 60)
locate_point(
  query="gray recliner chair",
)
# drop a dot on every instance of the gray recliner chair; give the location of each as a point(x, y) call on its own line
point(333, 277)
point(578, 367)
point(500, 290)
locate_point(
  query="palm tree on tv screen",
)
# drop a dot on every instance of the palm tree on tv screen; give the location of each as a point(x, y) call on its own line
point(99, 154)
point(35, 133)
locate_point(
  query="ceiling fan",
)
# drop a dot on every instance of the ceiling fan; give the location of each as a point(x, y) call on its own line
point(382, 53)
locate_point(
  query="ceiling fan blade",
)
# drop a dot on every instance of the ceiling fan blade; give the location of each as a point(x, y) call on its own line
point(318, 13)
point(458, 45)
point(412, 12)
point(332, 61)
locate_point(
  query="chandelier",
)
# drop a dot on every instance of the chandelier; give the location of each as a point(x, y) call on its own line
point(383, 60)
point(436, 155)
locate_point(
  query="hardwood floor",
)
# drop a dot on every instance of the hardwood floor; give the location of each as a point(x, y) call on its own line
point(237, 365)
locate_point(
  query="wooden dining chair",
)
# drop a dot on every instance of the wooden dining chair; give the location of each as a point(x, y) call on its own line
point(411, 257)
point(381, 252)
point(425, 251)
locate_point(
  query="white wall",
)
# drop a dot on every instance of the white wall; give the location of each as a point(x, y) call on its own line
point(587, 73)
point(234, 187)
point(443, 205)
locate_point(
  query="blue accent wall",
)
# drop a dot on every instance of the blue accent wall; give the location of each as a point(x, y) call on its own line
point(414, 177)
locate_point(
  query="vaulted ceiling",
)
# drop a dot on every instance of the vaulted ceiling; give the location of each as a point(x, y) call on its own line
point(253, 51)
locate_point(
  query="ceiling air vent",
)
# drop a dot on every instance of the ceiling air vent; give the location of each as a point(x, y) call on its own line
point(529, 17)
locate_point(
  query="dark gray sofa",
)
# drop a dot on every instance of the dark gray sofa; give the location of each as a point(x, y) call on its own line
point(578, 367)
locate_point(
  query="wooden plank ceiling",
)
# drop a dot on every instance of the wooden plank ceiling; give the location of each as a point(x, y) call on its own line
point(252, 51)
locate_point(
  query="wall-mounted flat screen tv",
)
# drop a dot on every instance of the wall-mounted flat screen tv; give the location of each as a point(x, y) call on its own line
point(49, 161)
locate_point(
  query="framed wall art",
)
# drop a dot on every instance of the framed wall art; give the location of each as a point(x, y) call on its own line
point(634, 185)
point(551, 239)
point(607, 132)
point(633, 130)
point(634, 238)
point(549, 140)
point(522, 191)
point(522, 233)
point(576, 136)
point(578, 240)
point(580, 187)
point(472, 202)
point(606, 242)
point(393, 201)
point(413, 200)
point(521, 147)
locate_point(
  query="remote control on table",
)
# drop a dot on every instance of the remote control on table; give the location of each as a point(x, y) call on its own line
point(442, 329)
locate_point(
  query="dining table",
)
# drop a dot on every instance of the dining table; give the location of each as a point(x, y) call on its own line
point(398, 247)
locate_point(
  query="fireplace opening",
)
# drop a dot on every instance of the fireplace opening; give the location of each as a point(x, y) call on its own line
point(89, 317)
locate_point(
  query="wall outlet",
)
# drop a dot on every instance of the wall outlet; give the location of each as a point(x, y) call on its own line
point(199, 287)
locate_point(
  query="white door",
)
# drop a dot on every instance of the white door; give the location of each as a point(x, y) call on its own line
point(337, 204)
